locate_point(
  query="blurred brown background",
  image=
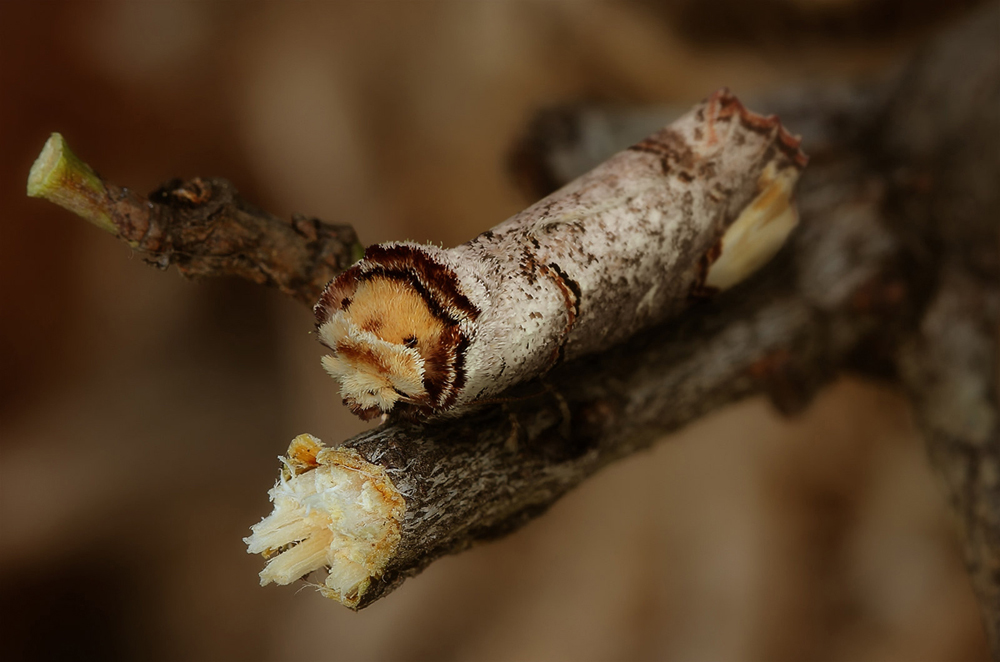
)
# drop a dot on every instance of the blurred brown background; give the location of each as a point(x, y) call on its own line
point(141, 414)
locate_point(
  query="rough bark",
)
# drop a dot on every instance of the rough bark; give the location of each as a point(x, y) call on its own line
point(939, 149)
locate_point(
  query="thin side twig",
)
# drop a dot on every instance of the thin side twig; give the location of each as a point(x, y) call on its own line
point(201, 226)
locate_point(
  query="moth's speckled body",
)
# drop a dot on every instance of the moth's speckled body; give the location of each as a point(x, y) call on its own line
point(692, 209)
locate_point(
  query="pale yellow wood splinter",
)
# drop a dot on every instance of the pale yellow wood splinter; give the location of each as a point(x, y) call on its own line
point(333, 511)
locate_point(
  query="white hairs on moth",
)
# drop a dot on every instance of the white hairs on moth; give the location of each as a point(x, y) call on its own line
point(375, 372)
point(690, 211)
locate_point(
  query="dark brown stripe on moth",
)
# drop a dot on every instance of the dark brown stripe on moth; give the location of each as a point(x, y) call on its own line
point(444, 369)
point(429, 296)
point(437, 276)
point(571, 294)
point(441, 367)
point(459, 383)
point(437, 286)
point(649, 146)
point(337, 291)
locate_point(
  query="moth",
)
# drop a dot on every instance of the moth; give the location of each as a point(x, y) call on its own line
point(691, 210)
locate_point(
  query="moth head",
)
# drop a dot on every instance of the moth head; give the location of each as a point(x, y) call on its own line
point(394, 339)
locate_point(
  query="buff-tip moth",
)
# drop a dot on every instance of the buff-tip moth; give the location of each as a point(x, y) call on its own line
point(691, 210)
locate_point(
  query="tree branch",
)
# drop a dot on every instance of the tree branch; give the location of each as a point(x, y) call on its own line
point(893, 273)
point(785, 333)
point(940, 149)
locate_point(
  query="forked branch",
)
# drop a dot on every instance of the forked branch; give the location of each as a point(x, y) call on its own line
point(893, 273)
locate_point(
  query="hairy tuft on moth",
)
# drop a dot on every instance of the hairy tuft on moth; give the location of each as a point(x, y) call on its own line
point(398, 326)
point(693, 209)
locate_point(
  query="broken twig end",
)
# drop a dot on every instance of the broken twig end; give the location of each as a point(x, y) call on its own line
point(59, 176)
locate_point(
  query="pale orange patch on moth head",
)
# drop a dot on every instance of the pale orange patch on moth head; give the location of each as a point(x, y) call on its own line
point(382, 335)
point(395, 312)
point(398, 323)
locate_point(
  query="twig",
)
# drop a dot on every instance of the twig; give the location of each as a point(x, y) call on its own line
point(202, 226)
